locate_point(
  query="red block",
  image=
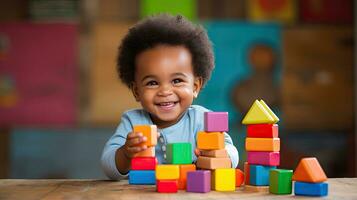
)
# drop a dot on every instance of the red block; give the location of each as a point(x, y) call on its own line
point(167, 186)
point(263, 131)
point(246, 172)
point(239, 177)
point(143, 163)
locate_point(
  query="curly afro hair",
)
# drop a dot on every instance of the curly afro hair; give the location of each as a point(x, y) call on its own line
point(165, 29)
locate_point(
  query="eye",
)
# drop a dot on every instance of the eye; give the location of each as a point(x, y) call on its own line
point(151, 83)
point(177, 81)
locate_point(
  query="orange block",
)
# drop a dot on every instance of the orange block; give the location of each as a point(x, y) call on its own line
point(246, 172)
point(210, 141)
point(149, 152)
point(213, 163)
point(150, 131)
point(239, 177)
point(221, 153)
point(309, 170)
point(183, 175)
point(262, 144)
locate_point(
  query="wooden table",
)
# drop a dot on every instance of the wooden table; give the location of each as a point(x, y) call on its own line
point(341, 188)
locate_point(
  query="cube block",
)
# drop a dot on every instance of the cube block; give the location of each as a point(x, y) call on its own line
point(280, 181)
point(224, 180)
point(149, 152)
point(150, 132)
point(262, 144)
point(167, 172)
point(246, 173)
point(184, 169)
point(167, 186)
point(216, 121)
point(263, 131)
point(221, 153)
point(199, 181)
point(179, 153)
point(143, 163)
point(239, 177)
point(146, 177)
point(259, 175)
point(210, 141)
point(310, 189)
point(309, 170)
point(213, 163)
point(263, 158)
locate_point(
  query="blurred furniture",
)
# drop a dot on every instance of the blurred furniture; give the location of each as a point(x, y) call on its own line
point(341, 188)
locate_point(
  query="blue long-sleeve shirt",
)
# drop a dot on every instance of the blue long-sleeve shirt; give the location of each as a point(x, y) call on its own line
point(184, 130)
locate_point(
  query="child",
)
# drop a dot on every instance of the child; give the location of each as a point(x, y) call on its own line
point(165, 61)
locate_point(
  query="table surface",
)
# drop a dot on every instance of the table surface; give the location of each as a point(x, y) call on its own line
point(339, 188)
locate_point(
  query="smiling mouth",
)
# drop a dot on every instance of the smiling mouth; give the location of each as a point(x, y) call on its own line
point(167, 105)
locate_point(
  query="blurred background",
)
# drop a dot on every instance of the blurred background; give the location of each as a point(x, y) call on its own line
point(61, 100)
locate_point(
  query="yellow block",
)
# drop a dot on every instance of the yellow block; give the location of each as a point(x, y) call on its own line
point(150, 131)
point(262, 144)
point(258, 114)
point(224, 180)
point(167, 172)
point(210, 141)
point(272, 114)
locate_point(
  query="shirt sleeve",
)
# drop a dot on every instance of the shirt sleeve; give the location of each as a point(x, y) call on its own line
point(231, 150)
point(110, 148)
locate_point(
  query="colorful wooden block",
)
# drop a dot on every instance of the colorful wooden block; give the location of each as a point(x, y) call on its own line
point(179, 153)
point(150, 132)
point(184, 169)
point(253, 188)
point(199, 181)
point(280, 181)
point(258, 114)
point(262, 144)
point(246, 173)
point(263, 131)
point(210, 141)
point(149, 152)
point(216, 121)
point(309, 170)
point(272, 114)
point(142, 177)
point(167, 172)
point(310, 189)
point(221, 153)
point(259, 175)
point(167, 186)
point(213, 163)
point(143, 163)
point(224, 180)
point(239, 177)
point(263, 158)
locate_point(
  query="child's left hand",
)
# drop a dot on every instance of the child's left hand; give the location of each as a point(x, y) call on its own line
point(197, 152)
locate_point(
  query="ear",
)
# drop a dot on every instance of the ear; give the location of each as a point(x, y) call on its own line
point(134, 90)
point(197, 85)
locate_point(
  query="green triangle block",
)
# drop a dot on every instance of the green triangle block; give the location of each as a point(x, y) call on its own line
point(276, 118)
point(258, 115)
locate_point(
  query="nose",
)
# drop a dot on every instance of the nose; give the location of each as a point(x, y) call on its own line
point(165, 90)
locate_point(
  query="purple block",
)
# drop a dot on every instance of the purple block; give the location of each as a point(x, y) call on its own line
point(216, 121)
point(198, 181)
point(263, 158)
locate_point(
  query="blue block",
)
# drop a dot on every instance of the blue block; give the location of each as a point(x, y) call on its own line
point(310, 189)
point(142, 177)
point(259, 174)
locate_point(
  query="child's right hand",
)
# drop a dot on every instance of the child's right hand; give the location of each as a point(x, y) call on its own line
point(131, 146)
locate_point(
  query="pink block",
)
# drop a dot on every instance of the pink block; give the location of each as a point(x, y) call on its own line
point(216, 121)
point(263, 158)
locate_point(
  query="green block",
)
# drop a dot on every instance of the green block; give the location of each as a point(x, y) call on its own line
point(179, 153)
point(186, 8)
point(280, 181)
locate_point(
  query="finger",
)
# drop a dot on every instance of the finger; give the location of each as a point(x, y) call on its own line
point(136, 141)
point(134, 135)
point(197, 152)
point(136, 149)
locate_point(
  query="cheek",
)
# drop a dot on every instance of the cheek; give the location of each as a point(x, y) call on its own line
point(186, 92)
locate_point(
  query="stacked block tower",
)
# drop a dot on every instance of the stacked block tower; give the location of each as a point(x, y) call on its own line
point(310, 178)
point(172, 176)
point(216, 172)
point(144, 163)
point(262, 145)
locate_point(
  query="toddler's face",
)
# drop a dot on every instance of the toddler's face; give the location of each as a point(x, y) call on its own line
point(165, 83)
